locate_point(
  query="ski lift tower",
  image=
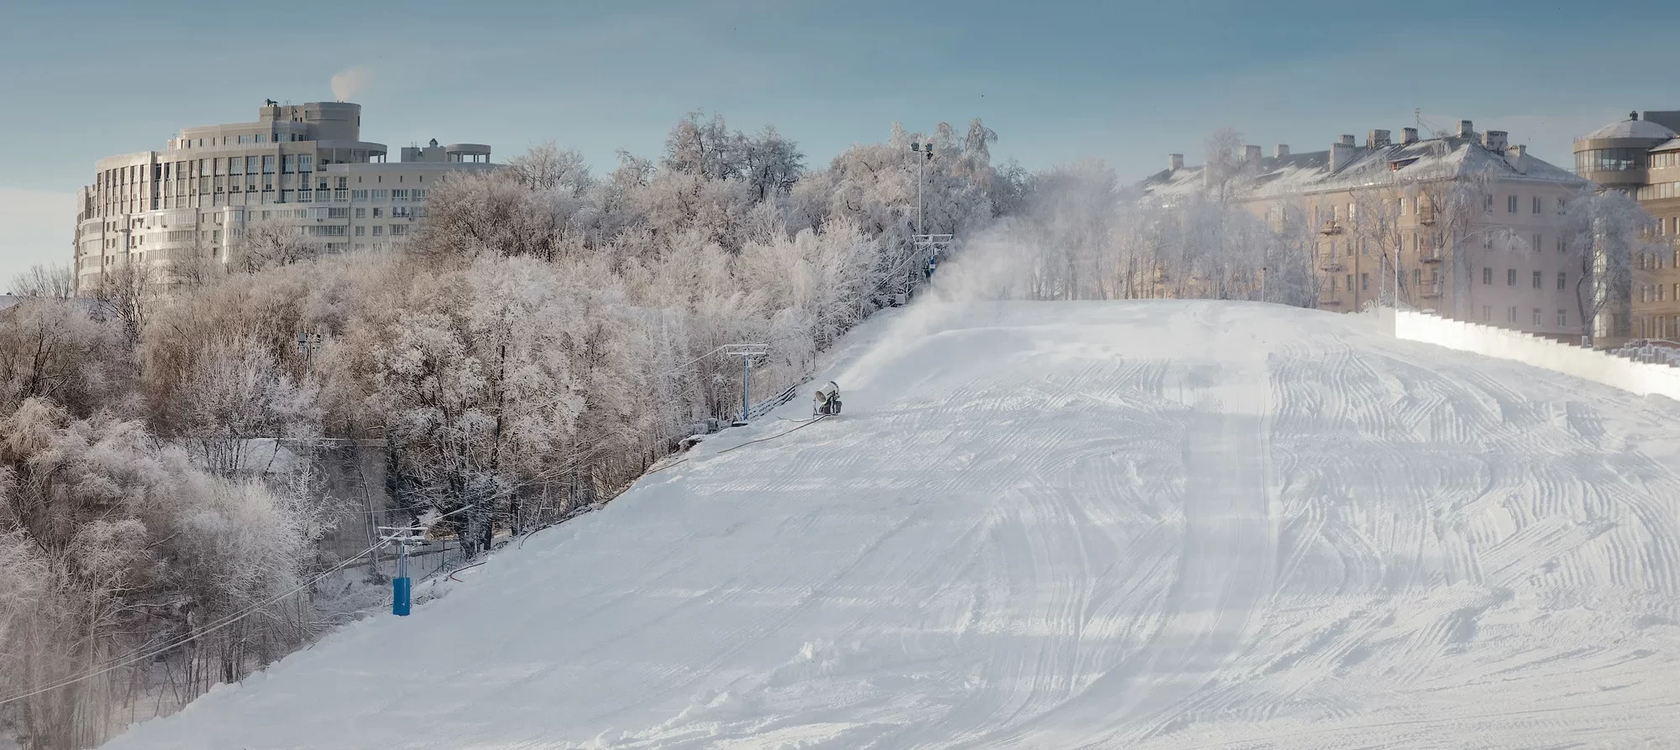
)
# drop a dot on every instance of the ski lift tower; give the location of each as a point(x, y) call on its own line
point(747, 353)
point(402, 536)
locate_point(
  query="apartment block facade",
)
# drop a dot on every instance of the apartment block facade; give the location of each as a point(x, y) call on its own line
point(1641, 157)
point(302, 167)
point(1463, 224)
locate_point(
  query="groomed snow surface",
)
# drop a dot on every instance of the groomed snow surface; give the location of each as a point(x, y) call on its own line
point(1064, 525)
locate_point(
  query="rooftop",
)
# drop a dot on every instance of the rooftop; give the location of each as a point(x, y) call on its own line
point(1630, 128)
point(1423, 160)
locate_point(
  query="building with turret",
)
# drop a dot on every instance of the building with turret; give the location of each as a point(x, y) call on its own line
point(1641, 157)
point(302, 169)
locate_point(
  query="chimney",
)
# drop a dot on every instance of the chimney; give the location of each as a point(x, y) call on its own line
point(1495, 140)
point(1341, 153)
point(1466, 129)
point(1517, 157)
point(1283, 151)
point(1251, 154)
point(1377, 139)
point(1175, 162)
point(1408, 136)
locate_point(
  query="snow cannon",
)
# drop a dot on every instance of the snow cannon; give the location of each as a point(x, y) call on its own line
point(826, 403)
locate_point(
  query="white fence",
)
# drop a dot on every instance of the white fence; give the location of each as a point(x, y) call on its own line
point(1600, 367)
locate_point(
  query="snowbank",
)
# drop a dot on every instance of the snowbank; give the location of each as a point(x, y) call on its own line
point(1643, 378)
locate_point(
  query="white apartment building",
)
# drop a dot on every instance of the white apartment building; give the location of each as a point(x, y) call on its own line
point(1398, 218)
point(303, 166)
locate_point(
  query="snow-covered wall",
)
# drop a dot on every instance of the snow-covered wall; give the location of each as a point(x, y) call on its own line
point(1638, 377)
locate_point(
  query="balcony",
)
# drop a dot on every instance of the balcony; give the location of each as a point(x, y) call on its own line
point(1329, 300)
point(1331, 265)
point(1430, 290)
point(1426, 213)
point(1430, 258)
point(1331, 227)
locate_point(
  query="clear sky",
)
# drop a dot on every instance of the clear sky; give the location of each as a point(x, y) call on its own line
point(1120, 81)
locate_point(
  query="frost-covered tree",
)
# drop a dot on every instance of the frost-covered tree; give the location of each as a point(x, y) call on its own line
point(1605, 232)
point(56, 281)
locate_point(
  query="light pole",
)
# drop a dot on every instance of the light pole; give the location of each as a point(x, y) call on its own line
point(926, 246)
point(926, 155)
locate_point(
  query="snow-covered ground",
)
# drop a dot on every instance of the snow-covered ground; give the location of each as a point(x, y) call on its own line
point(1059, 525)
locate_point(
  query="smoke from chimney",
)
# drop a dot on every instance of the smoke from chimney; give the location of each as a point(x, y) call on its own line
point(349, 83)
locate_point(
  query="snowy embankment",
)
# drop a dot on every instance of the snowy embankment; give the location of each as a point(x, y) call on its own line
point(1165, 524)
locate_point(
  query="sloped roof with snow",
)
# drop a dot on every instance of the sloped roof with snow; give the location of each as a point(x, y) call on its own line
point(1426, 160)
point(1630, 129)
point(1673, 145)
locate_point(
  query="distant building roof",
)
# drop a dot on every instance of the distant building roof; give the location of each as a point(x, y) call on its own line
point(1430, 159)
point(1630, 129)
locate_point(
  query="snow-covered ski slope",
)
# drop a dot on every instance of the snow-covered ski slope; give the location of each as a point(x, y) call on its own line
point(1065, 525)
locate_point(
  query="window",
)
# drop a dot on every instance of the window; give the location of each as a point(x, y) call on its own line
point(361, 231)
point(306, 163)
point(1487, 314)
point(398, 230)
point(1560, 209)
point(1537, 243)
point(1332, 278)
point(1417, 277)
point(1560, 244)
point(1402, 206)
point(399, 195)
point(379, 229)
point(1350, 282)
point(361, 213)
point(1537, 316)
point(1364, 282)
point(1537, 211)
point(1660, 290)
point(1487, 203)
point(1537, 277)
point(1487, 276)
point(1563, 280)
point(1510, 277)
point(1511, 204)
point(1511, 314)
point(376, 213)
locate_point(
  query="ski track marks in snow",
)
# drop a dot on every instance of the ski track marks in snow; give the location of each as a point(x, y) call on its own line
point(1068, 525)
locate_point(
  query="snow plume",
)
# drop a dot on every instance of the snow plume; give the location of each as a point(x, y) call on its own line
point(351, 82)
point(988, 268)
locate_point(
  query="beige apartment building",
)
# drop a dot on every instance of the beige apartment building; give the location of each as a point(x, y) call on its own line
point(1641, 156)
point(1464, 224)
point(302, 168)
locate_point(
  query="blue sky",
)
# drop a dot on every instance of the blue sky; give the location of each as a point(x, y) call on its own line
point(1124, 82)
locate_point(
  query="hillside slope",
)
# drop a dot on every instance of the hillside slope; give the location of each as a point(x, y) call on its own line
point(1164, 524)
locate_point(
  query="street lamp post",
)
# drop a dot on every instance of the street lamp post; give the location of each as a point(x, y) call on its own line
point(926, 155)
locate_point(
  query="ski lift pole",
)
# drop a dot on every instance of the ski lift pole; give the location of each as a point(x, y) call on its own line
point(400, 585)
point(746, 388)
